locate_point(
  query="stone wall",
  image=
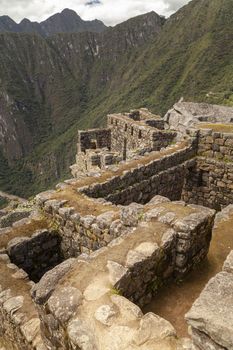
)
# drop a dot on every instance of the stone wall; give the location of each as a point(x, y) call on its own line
point(96, 159)
point(82, 233)
point(168, 183)
point(209, 182)
point(19, 321)
point(85, 233)
point(164, 176)
point(36, 254)
point(93, 139)
point(93, 152)
point(129, 136)
point(8, 218)
point(218, 145)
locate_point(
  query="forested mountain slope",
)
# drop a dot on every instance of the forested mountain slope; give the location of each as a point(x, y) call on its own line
point(47, 86)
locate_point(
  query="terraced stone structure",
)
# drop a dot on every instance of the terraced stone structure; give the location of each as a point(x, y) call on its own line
point(138, 214)
point(127, 136)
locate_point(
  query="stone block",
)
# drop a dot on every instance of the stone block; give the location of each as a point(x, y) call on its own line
point(43, 290)
point(153, 327)
point(212, 312)
point(128, 310)
point(104, 314)
point(158, 200)
point(81, 336)
point(203, 342)
point(130, 215)
point(104, 220)
point(228, 265)
point(87, 221)
point(116, 272)
point(64, 302)
point(30, 329)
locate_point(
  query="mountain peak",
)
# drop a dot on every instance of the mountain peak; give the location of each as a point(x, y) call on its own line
point(68, 11)
point(67, 21)
point(25, 21)
point(7, 24)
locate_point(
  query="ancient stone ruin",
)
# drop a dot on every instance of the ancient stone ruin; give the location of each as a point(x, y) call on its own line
point(150, 199)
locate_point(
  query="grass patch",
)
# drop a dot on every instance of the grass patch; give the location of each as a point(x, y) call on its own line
point(115, 291)
point(25, 230)
point(3, 202)
point(223, 128)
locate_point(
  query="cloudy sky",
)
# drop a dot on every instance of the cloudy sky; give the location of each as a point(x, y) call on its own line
point(109, 11)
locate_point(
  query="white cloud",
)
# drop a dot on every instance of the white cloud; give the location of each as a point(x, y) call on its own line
point(110, 11)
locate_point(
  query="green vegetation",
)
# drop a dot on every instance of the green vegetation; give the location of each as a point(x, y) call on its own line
point(57, 86)
point(3, 202)
point(115, 291)
point(155, 285)
point(227, 160)
point(141, 217)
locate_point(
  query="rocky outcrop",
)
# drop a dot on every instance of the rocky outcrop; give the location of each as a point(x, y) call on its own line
point(185, 115)
point(211, 316)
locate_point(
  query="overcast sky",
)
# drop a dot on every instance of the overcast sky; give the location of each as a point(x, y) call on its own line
point(109, 11)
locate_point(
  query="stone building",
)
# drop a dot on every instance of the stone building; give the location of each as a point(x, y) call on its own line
point(148, 199)
point(127, 136)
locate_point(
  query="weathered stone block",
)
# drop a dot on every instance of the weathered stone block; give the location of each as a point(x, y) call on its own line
point(211, 310)
point(81, 336)
point(64, 302)
point(228, 265)
point(43, 290)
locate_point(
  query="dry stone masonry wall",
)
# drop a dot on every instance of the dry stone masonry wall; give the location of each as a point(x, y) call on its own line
point(209, 181)
point(132, 133)
point(19, 320)
point(93, 150)
point(140, 184)
point(82, 233)
point(162, 239)
point(36, 254)
point(127, 136)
